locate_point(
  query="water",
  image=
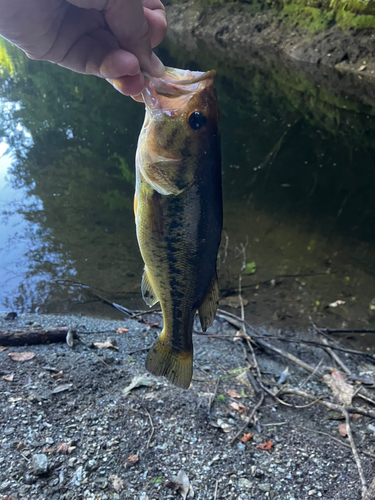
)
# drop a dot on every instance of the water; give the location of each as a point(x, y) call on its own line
point(298, 176)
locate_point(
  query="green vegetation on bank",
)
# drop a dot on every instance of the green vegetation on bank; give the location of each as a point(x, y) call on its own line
point(313, 15)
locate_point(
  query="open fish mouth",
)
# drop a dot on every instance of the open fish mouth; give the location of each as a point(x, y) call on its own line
point(171, 92)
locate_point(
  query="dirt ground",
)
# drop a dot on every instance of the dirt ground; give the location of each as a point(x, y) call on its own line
point(71, 437)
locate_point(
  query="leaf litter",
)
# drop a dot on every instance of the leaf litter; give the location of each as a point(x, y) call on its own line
point(110, 343)
point(21, 356)
point(138, 381)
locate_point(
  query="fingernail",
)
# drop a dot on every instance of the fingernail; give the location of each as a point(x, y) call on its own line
point(157, 66)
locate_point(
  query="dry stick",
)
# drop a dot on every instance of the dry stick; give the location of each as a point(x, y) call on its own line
point(311, 374)
point(370, 495)
point(336, 358)
point(283, 339)
point(213, 397)
point(355, 454)
point(102, 360)
point(152, 427)
point(248, 420)
point(332, 406)
point(334, 439)
point(216, 485)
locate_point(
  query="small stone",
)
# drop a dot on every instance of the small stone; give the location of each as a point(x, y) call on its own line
point(10, 316)
point(311, 492)
point(39, 464)
point(264, 487)
point(4, 485)
point(91, 465)
point(371, 428)
point(8, 431)
point(77, 476)
point(244, 483)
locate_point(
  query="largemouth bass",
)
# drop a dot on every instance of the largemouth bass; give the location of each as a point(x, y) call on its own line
point(178, 211)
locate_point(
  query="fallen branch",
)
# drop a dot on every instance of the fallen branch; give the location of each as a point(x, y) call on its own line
point(33, 336)
point(355, 454)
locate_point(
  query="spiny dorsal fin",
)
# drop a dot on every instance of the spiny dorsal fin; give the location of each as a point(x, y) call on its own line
point(207, 310)
point(148, 294)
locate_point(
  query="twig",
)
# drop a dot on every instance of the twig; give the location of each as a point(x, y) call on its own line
point(237, 322)
point(370, 495)
point(334, 439)
point(152, 427)
point(225, 315)
point(248, 420)
point(336, 358)
point(311, 374)
point(355, 454)
point(275, 423)
point(216, 485)
point(139, 350)
point(328, 404)
point(102, 360)
point(213, 397)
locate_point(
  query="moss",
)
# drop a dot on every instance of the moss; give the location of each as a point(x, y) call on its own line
point(346, 20)
point(312, 18)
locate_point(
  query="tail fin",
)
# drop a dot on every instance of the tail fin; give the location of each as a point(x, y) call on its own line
point(177, 367)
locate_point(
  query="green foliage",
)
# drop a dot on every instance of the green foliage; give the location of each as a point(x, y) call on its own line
point(220, 398)
point(6, 64)
point(347, 20)
point(250, 268)
point(312, 18)
point(157, 480)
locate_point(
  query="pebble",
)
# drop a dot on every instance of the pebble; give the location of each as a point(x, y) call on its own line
point(77, 476)
point(39, 464)
point(4, 485)
point(264, 487)
point(371, 428)
point(244, 483)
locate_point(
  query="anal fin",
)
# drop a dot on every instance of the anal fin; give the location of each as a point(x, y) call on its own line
point(148, 294)
point(207, 310)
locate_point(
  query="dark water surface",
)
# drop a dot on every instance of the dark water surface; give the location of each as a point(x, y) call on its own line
point(298, 178)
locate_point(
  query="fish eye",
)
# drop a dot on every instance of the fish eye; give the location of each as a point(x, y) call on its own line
point(197, 120)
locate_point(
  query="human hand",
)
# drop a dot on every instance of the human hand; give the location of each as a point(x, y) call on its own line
point(112, 39)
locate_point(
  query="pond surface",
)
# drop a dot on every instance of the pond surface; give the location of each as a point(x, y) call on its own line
point(298, 177)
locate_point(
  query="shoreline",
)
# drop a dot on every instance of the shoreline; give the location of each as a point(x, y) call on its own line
point(233, 27)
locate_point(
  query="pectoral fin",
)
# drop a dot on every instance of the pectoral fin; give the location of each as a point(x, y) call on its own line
point(167, 176)
point(207, 310)
point(148, 294)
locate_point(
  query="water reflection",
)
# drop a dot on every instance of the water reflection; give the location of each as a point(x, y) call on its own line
point(298, 170)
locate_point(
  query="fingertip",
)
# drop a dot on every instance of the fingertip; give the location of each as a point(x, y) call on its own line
point(157, 67)
point(119, 63)
point(128, 85)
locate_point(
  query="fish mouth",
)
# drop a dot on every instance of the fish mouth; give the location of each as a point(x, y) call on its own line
point(172, 91)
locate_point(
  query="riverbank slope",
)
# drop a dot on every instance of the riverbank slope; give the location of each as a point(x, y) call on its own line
point(321, 36)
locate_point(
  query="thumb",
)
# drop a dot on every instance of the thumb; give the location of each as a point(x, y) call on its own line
point(128, 23)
